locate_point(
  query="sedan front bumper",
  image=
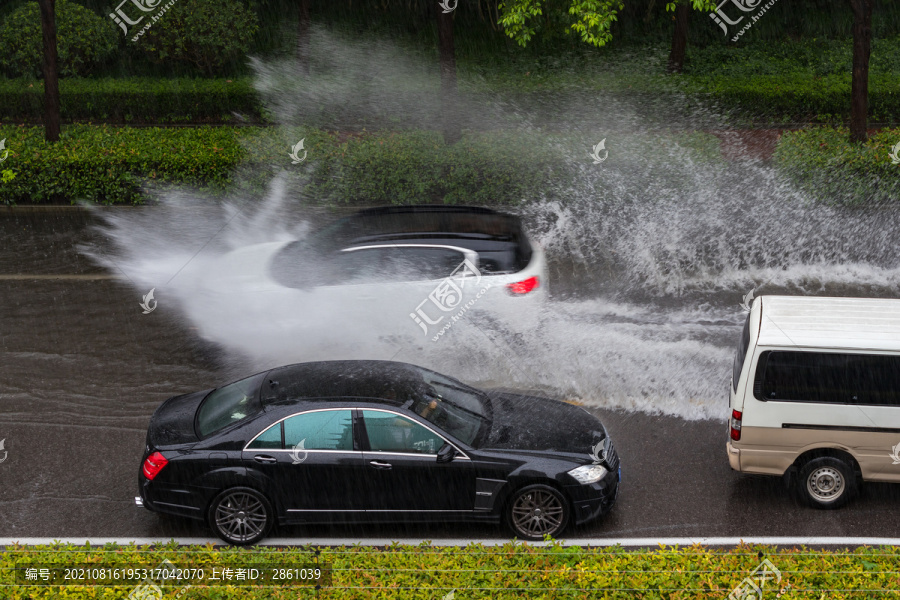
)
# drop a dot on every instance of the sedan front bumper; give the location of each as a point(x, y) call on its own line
point(594, 500)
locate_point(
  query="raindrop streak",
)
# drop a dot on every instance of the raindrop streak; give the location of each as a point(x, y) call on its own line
point(650, 255)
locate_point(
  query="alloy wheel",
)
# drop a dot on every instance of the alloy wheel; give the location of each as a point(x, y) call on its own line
point(538, 512)
point(241, 517)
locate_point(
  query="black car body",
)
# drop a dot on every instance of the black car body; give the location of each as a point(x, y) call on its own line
point(342, 441)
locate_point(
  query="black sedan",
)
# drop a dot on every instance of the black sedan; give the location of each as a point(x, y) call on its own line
point(344, 441)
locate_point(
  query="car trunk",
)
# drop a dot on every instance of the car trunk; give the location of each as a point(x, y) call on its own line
point(173, 421)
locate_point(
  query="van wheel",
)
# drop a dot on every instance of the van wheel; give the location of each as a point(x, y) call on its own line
point(826, 482)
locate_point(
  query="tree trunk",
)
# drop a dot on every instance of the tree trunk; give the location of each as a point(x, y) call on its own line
point(51, 73)
point(679, 38)
point(447, 61)
point(303, 37)
point(859, 87)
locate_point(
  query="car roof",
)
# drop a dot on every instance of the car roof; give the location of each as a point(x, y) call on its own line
point(427, 222)
point(822, 322)
point(393, 383)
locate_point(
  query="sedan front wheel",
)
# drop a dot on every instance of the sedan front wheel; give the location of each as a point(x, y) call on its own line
point(536, 511)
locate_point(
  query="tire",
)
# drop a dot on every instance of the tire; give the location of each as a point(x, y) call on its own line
point(241, 516)
point(536, 511)
point(826, 482)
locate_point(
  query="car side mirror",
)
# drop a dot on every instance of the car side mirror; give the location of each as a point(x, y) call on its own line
point(446, 453)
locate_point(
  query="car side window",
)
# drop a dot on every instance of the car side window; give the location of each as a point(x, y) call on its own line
point(320, 430)
point(404, 263)
point(389, 432)
point(270, 439)
point(422, 263)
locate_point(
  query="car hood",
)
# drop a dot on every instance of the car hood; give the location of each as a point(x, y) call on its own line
point(173, 421)
point(522, 422)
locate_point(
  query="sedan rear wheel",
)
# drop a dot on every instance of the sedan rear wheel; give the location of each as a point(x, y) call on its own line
point(536, 511)
point(241, 516)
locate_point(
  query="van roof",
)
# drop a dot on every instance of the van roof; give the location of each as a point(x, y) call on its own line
point(817, 322)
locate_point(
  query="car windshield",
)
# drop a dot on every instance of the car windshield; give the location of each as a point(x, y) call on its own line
point(457, 409)
point(229, 404)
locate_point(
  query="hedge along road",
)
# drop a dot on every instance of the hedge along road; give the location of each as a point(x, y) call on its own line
point(82, 370)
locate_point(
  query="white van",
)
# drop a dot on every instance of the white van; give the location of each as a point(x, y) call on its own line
point(815, 394)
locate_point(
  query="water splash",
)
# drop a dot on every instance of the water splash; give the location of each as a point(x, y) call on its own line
point(650, 254)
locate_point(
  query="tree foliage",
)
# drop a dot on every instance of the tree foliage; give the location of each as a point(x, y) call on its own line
point(204, 33)
point(590, 20)
point(84, 40)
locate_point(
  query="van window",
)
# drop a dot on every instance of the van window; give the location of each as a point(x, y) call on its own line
point(826, 377)
point(741, 353)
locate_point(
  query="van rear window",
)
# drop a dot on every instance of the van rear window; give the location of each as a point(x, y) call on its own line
point(741, 353)
point(829, 378)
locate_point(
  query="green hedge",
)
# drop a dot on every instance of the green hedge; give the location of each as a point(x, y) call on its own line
point(511, 571)
point(108, 164)
point(134, 100)
point(822, 161)
point(775, 98)
point(797, 98)
point(415, 167)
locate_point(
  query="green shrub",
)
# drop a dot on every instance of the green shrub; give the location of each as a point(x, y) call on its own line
point(802, 58)
point(822, 161)
point(805, 80)
point(794, 98)
point(416, 167)
point(204, 33)
point(134, 100)
point(506, 572)
point(84, 40)
point(108, 164)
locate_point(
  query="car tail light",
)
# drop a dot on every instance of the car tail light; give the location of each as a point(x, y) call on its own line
point(153, 465)
point(524, 286)
point(736, 425)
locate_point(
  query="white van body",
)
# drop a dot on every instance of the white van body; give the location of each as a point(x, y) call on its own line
point(818, 379)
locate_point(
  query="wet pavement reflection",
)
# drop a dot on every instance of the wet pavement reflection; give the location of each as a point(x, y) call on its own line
point(82, 369)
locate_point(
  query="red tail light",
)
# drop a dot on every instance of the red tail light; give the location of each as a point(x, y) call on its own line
point(153, 465)
point(524, 286)
point(736, 425)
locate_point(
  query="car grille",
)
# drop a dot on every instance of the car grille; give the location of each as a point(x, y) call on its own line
point(612, 458)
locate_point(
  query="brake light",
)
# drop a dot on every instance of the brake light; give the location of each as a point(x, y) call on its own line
point(736, 425)
point(524, 286)
point(153, 464)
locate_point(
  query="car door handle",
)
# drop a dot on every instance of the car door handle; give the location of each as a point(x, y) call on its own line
point(380, 465)
point(262, 458)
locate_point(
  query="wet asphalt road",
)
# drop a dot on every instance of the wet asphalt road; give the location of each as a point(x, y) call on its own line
point(82, 369)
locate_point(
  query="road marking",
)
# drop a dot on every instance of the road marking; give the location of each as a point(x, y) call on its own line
point(67, 277)
point(593, 542)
